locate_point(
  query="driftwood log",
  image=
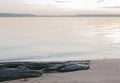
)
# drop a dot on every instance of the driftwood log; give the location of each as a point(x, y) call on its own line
point(17, 70)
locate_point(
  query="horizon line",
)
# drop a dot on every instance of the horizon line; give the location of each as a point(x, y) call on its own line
point(75, 15)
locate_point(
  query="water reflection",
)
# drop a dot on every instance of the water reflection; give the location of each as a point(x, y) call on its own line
point(59, 38)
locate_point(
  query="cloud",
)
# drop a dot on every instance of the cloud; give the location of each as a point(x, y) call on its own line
point(100, 1)
point(63, 1)
point(112, 7)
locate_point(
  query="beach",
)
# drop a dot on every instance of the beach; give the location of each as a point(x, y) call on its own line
point(59, 41)
point(101, 71)
point(63, 39)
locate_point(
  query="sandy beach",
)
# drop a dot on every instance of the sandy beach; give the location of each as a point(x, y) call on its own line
point(59, 41)
point(101, 71)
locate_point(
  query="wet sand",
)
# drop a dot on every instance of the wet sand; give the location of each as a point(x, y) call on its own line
point(101, 71)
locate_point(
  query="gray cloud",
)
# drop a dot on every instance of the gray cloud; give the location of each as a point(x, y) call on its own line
point(112, 7)
point(100, 1)
point(62, 1)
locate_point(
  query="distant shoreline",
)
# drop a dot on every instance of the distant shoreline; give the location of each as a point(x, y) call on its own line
point(77, 15)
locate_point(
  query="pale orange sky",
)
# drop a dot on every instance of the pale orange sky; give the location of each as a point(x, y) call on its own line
point(59, 6)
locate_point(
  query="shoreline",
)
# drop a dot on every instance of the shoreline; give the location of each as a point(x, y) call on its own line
point(48, 61)
point(101, 71)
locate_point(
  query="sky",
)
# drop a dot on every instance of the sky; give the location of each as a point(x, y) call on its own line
point(42, 5)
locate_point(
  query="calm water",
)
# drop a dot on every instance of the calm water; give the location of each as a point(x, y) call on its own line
point(53, 39)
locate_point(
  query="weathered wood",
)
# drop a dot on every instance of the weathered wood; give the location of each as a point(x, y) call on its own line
point(17, 70)
point(17, 73)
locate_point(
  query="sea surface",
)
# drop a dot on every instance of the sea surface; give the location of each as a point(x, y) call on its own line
point(59, 38)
